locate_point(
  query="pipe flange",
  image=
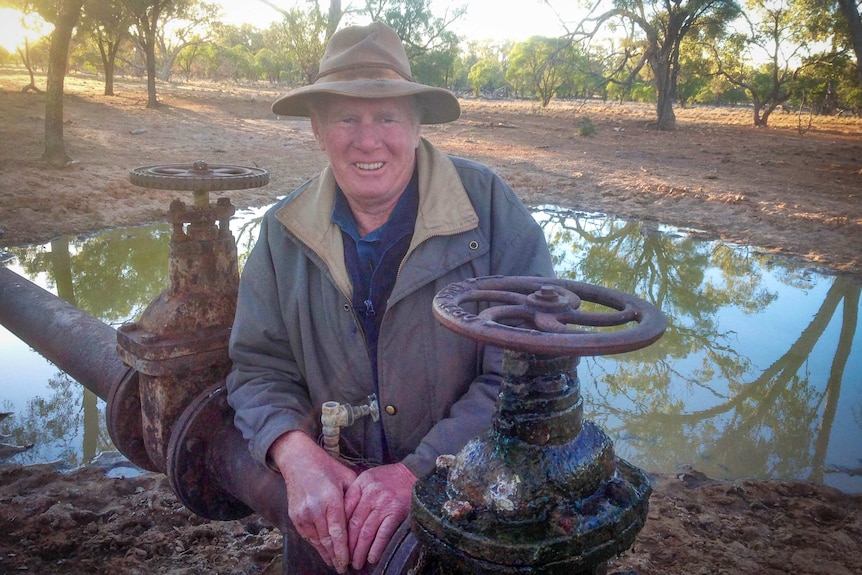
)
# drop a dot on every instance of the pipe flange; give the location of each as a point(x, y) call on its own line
point(124, 423)
point(543, 316)
point(193, 454)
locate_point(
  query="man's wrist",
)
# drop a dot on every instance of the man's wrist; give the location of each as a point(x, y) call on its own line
point(281, 447)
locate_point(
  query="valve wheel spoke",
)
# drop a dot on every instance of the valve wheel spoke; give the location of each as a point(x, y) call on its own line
point(543, 316)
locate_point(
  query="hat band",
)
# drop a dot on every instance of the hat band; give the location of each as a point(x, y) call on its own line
point(363, 72)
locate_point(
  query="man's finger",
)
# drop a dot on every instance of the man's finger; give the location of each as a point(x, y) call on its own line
point(384, 534)
point(337, 539)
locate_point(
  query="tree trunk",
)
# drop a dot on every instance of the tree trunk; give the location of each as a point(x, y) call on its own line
point(25, 57)
point(109, 78)
point(661, 68)
point(150, 52)
point(61, 37)
point(147, 24)
point(333, 18)
point(109, 51)
point(854, 21)
point(760, 115)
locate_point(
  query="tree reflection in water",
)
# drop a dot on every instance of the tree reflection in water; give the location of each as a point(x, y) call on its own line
point(743, 384)
point(700, 396)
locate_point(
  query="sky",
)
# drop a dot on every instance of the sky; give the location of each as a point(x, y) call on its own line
point(485, 19)
point(13, 30)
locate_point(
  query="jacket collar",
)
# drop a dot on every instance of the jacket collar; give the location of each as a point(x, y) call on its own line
point(444, 209)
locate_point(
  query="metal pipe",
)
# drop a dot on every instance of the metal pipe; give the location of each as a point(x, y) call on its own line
point(86, 349)
point(73, 340)
point(209, 466)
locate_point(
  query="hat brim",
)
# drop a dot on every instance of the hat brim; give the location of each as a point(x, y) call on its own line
point(436, 105)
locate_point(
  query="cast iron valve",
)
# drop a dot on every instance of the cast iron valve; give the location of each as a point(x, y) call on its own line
point(542, 490)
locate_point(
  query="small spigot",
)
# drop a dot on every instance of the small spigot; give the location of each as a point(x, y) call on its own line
point(335, 416)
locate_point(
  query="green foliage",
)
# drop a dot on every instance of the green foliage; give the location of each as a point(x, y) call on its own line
point(767, 58)
point(642, 92)
point(540, 67)
point(486, 76)
point(586, 127)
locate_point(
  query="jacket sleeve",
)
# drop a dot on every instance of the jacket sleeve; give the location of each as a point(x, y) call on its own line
point(265, 388)
point(517, 248)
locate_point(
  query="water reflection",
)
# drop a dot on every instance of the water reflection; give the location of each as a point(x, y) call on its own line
point(746, 381)
point(757, 375)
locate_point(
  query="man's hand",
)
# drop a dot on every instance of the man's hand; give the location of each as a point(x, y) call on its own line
point(316, 484)
point(376, 504)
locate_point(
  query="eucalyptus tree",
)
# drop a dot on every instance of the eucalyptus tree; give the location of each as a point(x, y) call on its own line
point(64, 15)
point(838, 23)
point(850, 9)
point(146, 16)
point(148, 30)
point(231, 54)
point(28, 20)
point(431, 46)
point(695, 72)
point(482, 66)
point(185, 28)
point(540, 66)
point(107, 22)
point(486, 76)
point(303, 32)
point(305, 28)
point(766, 60)
point(660, 27)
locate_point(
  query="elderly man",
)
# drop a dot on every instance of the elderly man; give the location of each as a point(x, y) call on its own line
point(335, 301)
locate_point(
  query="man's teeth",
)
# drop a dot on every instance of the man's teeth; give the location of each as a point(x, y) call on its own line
point(374, 166)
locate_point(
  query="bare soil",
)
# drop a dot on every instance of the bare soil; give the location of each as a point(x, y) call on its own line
point(792, 189)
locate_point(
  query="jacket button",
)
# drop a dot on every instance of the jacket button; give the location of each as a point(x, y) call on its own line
point(474, 245)
point(390, 409)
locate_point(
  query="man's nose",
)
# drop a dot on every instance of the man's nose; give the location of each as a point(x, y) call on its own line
point(368, 135)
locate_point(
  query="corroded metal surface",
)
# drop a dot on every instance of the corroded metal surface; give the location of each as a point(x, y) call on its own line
point(579, 539)
point(197, 461)
point(124, 421)
point(541, 491)
point(545, 316)
point(179, 344)
point(199, 176)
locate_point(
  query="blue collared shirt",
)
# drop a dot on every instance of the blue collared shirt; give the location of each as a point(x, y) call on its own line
point(373, 259)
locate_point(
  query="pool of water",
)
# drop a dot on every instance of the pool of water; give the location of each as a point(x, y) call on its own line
point(757, 376)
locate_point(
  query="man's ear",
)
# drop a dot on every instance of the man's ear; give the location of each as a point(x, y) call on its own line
point(315, 129)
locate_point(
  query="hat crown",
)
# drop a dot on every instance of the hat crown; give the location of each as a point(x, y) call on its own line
point(369, 62)
point(365, 52)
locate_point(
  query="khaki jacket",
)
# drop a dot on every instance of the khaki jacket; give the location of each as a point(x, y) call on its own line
point(296, 342)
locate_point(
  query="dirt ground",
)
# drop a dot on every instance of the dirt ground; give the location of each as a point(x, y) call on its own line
point(792, 189)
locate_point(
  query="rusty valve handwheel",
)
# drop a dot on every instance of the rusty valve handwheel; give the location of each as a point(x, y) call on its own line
point(543, 316)
point(199, 177)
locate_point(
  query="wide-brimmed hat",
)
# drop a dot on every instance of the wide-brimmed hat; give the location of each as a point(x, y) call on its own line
point(369, 62)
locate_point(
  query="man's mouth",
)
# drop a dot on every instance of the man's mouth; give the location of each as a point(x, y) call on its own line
point(369, 166)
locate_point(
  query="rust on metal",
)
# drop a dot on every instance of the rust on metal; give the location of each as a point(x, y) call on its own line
point(179, 344)
point(542, 490)
point(199, 176)
point(197, 459)
point(124, 421)
point(544, 316)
